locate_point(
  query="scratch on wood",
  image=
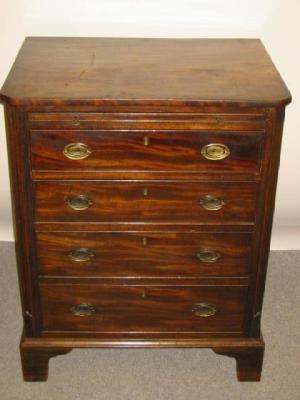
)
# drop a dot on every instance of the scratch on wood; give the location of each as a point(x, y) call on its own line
point(93, 59)
point(81, 73)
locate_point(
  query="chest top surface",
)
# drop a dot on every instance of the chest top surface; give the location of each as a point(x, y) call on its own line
point(88, 71)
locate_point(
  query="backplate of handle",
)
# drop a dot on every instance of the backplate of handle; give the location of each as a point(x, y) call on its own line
point(83, 310)
point(212, 203)
point(204, 310)
point(208, 256)
point(79, 202)
point(81, 254)
point(215, 151)
point(77, 151)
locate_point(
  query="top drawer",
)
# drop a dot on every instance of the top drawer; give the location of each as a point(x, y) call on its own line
point(158, 151)
point(161, 121)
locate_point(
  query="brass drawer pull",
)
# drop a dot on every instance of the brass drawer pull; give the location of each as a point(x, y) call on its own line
point(77, 151)
point(81, 254)
point(215, 151)
point(83, 310)
point(79, 202)
point(212, 203)
point(208, 256)
point(204, 310)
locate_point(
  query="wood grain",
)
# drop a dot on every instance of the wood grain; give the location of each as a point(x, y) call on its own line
point(142, 308)
point(146, 222)
point(146, 151)
point(93, 71)
point(125, 202)
point(22, 207)
point(248, 120)
point(37, 351)
point(143, 254)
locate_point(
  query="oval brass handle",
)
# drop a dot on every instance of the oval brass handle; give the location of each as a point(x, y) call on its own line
point(212, 203)
point(77, 151)
point(81, 254)
point(79, 202)
point(83, 309)
point(215, 151)
point(204, 310)
point(208, 256)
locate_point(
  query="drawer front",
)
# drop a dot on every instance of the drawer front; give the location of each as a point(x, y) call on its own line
point(143, 254)
point(96, 201)
point(143, 308)
point(146, 151)
point(162, 121)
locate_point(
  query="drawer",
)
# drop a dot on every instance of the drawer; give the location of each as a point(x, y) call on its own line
point(253, 121)
point(106, 308)
point(147, 202)
point(143, 254)
point(163, 151)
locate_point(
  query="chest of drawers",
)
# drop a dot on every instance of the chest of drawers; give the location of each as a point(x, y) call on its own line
point(143, 175)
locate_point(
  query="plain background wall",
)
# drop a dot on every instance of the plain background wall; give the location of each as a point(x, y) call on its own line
point(276, 22)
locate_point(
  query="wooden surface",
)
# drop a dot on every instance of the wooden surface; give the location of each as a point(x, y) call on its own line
point(36, 352)
point(143, 254)
point(146, 222)
point(143, 308)
point(167, 151)
point(209, 119)
point(91, 71)
point(123, 202)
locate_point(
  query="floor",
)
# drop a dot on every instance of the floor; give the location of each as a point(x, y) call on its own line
point(160, 374)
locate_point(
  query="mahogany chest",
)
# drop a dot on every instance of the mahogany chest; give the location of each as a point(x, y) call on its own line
point(143, 176)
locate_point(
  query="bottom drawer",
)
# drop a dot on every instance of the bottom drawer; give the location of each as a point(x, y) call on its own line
point(110, 308)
